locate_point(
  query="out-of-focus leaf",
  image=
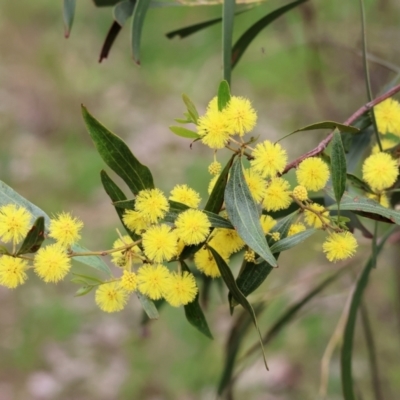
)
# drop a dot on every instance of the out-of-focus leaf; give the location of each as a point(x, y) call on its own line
point(291, 241)
point(358, 183)
point(148, 306)
point(68, 14)
point(224, 95)
point(348, 336)
point(105, 3)
point(34, 238)
point(338, 166)
point(123, 11)
point(86, 279)
point(183, 132)
point(194, 313)
point(243, 42)
point(244, 214)
point(139, 16)
point(82, 291)
point(228, 16)
point(93, 261)
point(116, 154)
point(109, 40)
point(191, 108)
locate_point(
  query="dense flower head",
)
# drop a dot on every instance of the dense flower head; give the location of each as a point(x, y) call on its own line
point(52, 263)
point(213, 129)
point(339, 246)
point(386, 145)
point(15, 222)
point(205, 262)
point(126, 257)
point(313, 174)
point(212, 183)
point(153, 280)
point(277, 195)
point(159, 243)
point(12, 271)
point(380, 171)
point(181, 289)
point(215, 168)
point(129, 281)
point(65, 229)
point(267, 223)
point(185, 195)
point(111, 297)
point(241, 116)
point(269, 158)
point(313, 216)
point(192, 226)
point(151, 204)
point(249, 256)
point(300, 193)
point(135, 221)
point(228, 240)
point(256, 184)
point(387, 115)
point(296, 228)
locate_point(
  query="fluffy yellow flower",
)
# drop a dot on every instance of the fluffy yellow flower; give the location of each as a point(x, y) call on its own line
point(181, 289)
point(213, 129)
point(296, 228)
point(185, 195)
point(215, 168)
point(313, 174)
point(277, 195)
point(228, 240)
point(65, 229)
point(339, 246)
point(14, 223)
point(213, 104)
point(135, 221)
point(159, 243)
point(380, 198)
point(269, 158)
point(52, 263)
point(300, 193)
point(205, 262)
point(240, 115)
point(129, 281)
point(125, 258)
point(256, 184)
point(312, 219)
point(267, 223)
point(12, 271)
point(212, 183)
point(151, 204)
point(380, 171)
point(153, 280)
point(192, 226)
point(386, 144)
point(387, 115)
point(111, 297)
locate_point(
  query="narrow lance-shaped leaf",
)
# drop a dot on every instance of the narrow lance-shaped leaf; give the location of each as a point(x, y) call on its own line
point(116, 154)
point(93, 261)
point(148, 306)
point(228, 16)
point(191, 108)
point(194, 313)
point(338, 167)
point(292, 241)
point(139, 16)
point(68, 14)
point(224, 95)
point(34, 238)
point(123, 11)
point(184, 132)
point(244, 214)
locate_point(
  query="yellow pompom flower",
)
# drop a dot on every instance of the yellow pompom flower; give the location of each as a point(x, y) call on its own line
point(129, 281)
point(313, 174)
point(269, 159)
point(387, 115)
point(296, 228)
point(181, 289)
point(380, 171)
point(185, 195)
point(213, 129)
point(240, 115)
point(300, 193)
point(339, 246)
point(386, 144)
point(127, 257)
point(256, 184)
point(151, 204)
point(160, 243)
point(228, 240)
point(12, 271)
point(111, 297)
point(65, 229)
point(135, 221)
point(51, 263)
point(312, 219)
point(380, 198)
point(277, 195)
point(205, 262)
point(213, 104)
point(267, 223)
point(249, 256)
point(153, 280)
point(192, 226)
point(15, 222)
point(215, 168)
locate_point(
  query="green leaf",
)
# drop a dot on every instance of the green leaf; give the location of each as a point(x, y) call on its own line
point(348, 337)
point(117, 156)
point(194, 313)
point(87, 279)
point(34, 238)
point(148, 306)
point(137, 25)
point(224, 95)
point(83, 290)
point(93, 261)
point(3, 250)
point(228, 16)
point(105, 3)
point(338, 166)
point(125, 204)
point(236, 293)
point(68, 15)
point(244, 214)
point(243, 42)
point(123, 11)
point(359, 183)
point(183, 132)
point(291, 241)
point(191, 108)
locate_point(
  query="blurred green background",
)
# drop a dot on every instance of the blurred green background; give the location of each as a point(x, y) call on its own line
point(303, 68)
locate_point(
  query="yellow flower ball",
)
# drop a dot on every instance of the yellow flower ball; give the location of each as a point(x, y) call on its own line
point(151, 204)
point(241, 116)
point(185, 195)
point(12, 271)
point(65, 229)
point(181, 289)
point(129, 281)
point(387, 115)
point(300, 193)
point(51, 263)
point(313, 216)
point(153, 280)
point(256, 184)
point(339, 246)
point(269, 159)
point(277, 195)
point(313, 174)
point(267, 223)
point(135, 221)
point(125, 257)
point(205, 262)
point(111, 297)
point(213, 129)
point(15, 223)
point(159, 243)
point(192, 226)
point(296, 228)
point(226, 239)
point(215, 168)
point(380, 171)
